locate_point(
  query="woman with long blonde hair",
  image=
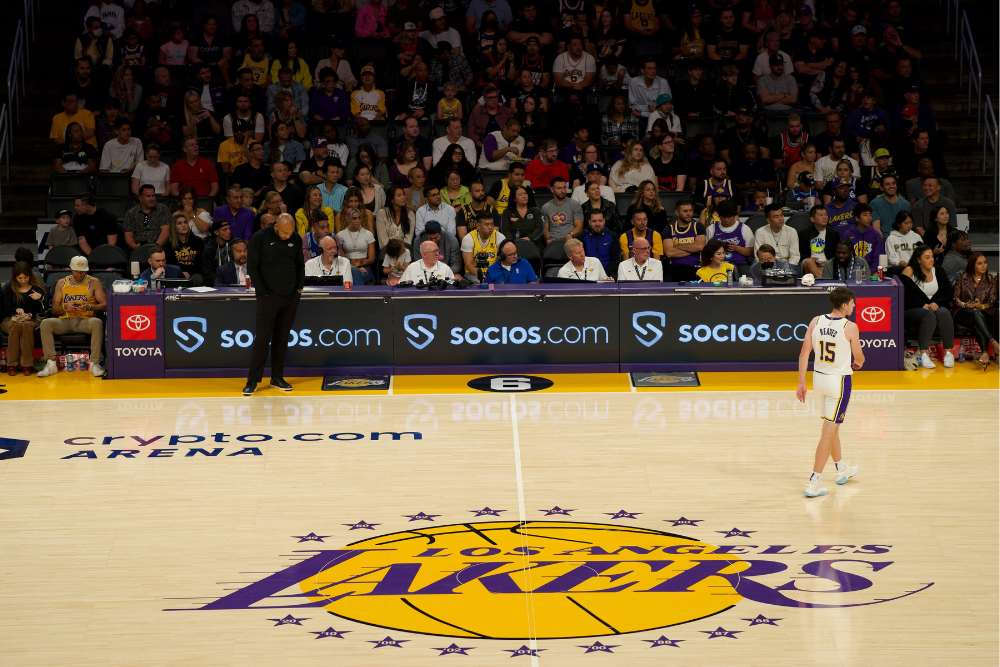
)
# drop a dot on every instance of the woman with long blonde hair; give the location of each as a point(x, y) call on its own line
point(629, 172)
point(354, 198)
point(199, 121)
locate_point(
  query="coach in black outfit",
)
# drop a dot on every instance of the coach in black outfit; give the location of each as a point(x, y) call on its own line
point(277, 272)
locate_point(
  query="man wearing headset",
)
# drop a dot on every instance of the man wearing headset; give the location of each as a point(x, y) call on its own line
point(509, 267)
point(329, 262)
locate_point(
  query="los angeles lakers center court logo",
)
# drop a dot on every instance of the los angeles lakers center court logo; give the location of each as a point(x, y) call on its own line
point(536, 580)
point(510, 581)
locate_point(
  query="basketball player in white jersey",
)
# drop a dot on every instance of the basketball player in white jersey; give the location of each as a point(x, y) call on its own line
point(833, 339)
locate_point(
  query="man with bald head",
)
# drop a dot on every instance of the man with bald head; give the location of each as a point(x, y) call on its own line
point(329, 262)
point(277, 272)
point(428, 267)
point(641, 266)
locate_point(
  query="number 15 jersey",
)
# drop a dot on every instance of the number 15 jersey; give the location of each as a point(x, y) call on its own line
point(831, 347)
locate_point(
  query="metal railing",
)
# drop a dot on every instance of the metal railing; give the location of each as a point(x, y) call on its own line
point(967, 54)
point(4, 143)
point(29, 20)
point(990, 137)
point(15, 73)
point(951, 9)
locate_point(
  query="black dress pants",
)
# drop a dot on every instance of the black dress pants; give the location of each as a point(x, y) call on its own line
point(984, 327)
point(275, 315)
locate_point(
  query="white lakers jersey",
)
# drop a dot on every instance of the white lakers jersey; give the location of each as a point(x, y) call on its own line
point(831, 347)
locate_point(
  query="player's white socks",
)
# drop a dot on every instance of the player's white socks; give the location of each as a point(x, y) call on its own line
point(841, 466)
point(814, 477)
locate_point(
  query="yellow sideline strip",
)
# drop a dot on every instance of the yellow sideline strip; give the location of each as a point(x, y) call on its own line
point(83, 386)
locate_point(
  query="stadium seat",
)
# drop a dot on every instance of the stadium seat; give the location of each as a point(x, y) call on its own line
point(755, 222)
point(53, 277)
point(528, 251)
point(55, 204)
point(623, 200)
point(695, 126)
point(116, 206)
point(775, 125)
point(381, 128)
point(816, 125)
point(107, 278)
point(208, 203)
point(670, 199)
point(553, 256)
point(141, 255)
point(798, 221)
point(552, 271)
point(107, 257)
point(491, 176)
point(113, 185)
point(542, 197)
point(68, 185)
point(61, 255)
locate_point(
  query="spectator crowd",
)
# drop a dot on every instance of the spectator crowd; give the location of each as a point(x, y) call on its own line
point(614, 140)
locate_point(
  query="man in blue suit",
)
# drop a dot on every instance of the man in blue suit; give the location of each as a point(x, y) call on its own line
point(158, 267)
point(235, 272)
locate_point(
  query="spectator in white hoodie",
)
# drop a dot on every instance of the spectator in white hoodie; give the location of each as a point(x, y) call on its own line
point(901, 242)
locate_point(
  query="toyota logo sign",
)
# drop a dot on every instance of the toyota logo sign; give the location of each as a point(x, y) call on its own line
point(138, 322)
point(873, 314)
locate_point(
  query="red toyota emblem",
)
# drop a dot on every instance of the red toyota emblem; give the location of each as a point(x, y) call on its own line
point(873, 313)
point(137, 322)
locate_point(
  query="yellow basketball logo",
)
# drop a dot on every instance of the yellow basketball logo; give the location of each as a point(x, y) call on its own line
point(508, 580)
point(664, 379)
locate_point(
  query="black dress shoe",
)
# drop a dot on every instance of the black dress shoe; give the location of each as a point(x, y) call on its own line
point(280, 383)
point(250, 388)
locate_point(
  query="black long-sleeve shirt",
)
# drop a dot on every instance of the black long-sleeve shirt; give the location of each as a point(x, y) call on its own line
point(27, 304)
point(276, 267)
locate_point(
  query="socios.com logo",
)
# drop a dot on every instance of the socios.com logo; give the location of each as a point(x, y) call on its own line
point(421, 332)
point(734, 333)
point(647, 334)
point(189, 333)
point(529, 335)
point(306, 338)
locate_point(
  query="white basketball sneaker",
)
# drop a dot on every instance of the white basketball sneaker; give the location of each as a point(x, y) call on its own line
point(949, 359)
point(845, 471)
point(51, 368)
point(925, 361)
point(814, 489)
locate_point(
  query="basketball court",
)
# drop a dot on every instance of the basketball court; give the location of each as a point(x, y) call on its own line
point(542, 518)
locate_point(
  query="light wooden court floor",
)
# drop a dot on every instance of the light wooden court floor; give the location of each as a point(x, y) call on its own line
point(640, 492)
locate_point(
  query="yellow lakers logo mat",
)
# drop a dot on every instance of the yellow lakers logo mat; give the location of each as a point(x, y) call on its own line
point(510, 580)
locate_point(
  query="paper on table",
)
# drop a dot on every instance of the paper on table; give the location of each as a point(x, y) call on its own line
point(201, 289)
